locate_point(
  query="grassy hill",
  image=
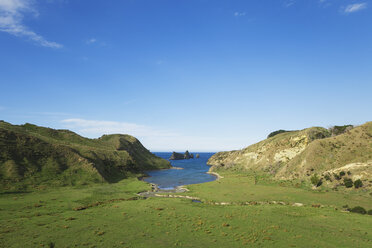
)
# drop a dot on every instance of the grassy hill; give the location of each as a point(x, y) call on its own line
point(239, 210)
point(34, 156)
point(302, 154)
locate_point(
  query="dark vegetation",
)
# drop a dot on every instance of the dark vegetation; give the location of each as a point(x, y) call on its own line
point(333, 131)
point(272, 134)
point(358, 210)
point(348, 182)
point(358, 183)
point(337, 130)
point(34, 156)
point(315, 180)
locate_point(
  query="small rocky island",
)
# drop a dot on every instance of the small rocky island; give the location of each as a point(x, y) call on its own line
point(180, 156)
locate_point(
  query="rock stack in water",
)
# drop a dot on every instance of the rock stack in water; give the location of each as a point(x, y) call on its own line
point(187, 155)
point(176, 156)
point(180, 156)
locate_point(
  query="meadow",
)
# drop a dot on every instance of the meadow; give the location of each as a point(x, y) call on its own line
point(113, 215)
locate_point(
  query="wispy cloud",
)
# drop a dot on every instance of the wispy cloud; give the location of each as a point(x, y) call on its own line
point(91, 41)
point(97, 128)
point(11, 21)
point(289, 3)
point(324, 3)
point(238, 14)
point(152, 138)
point(351, 8)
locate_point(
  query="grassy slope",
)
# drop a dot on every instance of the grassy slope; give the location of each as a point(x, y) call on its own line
point(38, 218)
point(35, 219)
point(334, 152)
point(299, 154)
point(32, 155)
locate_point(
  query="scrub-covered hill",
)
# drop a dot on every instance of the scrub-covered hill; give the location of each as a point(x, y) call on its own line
point(302, 154)
point(32, 156)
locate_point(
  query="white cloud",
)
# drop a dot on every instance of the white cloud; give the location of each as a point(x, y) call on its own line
point(11, 21)
point(237, 14)
point(289, 3)
point(324, 3)
point(91, 41)
point(97, 128)
point(152, 138)
point(351, 8)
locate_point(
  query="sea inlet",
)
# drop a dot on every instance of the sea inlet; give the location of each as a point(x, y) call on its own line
point(190, 171)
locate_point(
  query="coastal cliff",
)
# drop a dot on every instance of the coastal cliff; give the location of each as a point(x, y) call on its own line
point(301, 154)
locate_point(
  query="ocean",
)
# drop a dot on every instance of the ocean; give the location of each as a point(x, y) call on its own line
point(194, 171)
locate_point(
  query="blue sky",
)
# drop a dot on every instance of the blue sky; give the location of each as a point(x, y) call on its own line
point(202, 75)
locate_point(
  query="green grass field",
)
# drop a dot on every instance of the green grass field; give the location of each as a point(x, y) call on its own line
point(120, 219)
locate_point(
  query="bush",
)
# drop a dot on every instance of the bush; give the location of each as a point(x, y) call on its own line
point(342, 173)
point(349, 173)
point(369, 212)
point(315, 180)
point(327, 177)
point(337, 130)
point(358, 183)
point(337, 177)
point(348, 182)
point(358, 210)
point(277, 132)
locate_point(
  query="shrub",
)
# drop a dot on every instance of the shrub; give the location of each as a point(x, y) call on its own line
point(358, 183)
point(348, 182)
point(315, 180)
point(327, 177)
point(369, 212)
point(277, 132)
point(358, 209)
point(336, 176)
point(342, 173)
point(337, 130)
point(349, 173)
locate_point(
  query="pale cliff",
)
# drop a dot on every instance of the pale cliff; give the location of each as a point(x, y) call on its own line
point(300, 154)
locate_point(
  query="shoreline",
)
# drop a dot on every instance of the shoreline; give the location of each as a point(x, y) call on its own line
point(178, 189)
point(215, 174)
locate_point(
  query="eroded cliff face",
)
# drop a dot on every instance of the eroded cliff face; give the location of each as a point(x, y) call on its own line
point(299, 154)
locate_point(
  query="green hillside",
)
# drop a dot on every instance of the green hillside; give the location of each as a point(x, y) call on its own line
point(302, 154)
point(33, 156)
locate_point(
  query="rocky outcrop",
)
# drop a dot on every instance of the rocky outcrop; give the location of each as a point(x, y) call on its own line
point(176, 156)
point(301, 154)
point(187, 155)
point(180, 156)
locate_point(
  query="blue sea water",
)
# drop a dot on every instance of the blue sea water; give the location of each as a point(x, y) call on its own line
point(194, 172)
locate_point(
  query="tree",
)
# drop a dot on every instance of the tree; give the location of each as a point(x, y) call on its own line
point(315, 180)
point(348, 182)
point(358, 183)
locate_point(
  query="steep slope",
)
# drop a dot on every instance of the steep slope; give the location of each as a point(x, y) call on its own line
point(299, 154)
point(32, 155)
